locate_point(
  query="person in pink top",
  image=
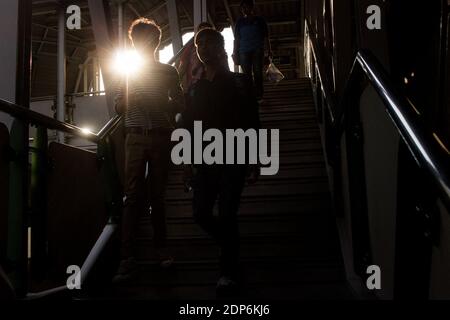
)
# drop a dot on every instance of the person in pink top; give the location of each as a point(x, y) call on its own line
point(190, 67)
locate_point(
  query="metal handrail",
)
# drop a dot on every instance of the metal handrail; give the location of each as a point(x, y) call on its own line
point(324, 82)
point(37, 118)
point(425, 146)
point(109, 127)
point(180, 52)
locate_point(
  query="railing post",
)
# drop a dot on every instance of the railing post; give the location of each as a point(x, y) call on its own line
point(39, 166)
point(18, 204)
point(61, 106)
point(110, 178)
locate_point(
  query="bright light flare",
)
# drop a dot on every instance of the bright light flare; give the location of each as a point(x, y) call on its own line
point(86, 131)
point(128, 62)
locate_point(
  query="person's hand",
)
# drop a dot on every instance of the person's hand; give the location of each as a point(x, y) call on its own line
point(253, 173)
point(267, 61)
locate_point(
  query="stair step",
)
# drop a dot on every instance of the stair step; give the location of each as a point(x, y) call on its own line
point(256, 271)
point(273, 292)
point(258, 246)
point(299, 205)
point(289, 245)
point(275, 225)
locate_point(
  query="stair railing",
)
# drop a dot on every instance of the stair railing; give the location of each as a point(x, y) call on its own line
point(429, 153)
point(108, 171)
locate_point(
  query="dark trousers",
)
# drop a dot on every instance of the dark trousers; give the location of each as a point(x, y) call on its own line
point(141, 192)
point(252, 64)
point(225, 184)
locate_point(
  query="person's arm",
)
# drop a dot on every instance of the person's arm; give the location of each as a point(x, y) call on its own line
point(267, 44)
point(176, 96)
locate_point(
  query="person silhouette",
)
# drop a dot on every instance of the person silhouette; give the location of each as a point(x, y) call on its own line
point(251, 45)
point(155, 97)
point(221, 100)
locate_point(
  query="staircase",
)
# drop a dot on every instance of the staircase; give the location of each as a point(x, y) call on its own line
point(289, 243)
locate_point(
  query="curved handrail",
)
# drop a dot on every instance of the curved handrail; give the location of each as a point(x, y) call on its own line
point(425, 146)
point(53, 124)
point(428, 151)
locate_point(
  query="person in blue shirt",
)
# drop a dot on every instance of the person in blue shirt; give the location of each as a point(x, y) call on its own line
point(251, 45)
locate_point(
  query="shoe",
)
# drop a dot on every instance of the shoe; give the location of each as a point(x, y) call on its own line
point(164, 257)
point(226, 287)
point(127, 270)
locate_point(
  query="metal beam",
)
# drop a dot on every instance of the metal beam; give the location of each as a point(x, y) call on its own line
point(132, 8)
point(210, 20)
point(51, 54)
point(38, 2)
point(85, 76)
point(104, 45)
point(175, 33)
point(281, 23)
point(257, 3)
point(200, 12)
point(120, 32)
point(61, 73)
point(51, 11)
point(79, 75)
point(43, 38)
point(19, 143)
point(55, 42)
point(229, 13)
point(189, 17)
point(155, 9)
point(56, 30)
point(74, 52)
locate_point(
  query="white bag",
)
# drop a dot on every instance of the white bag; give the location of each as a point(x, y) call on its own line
point(273, 74)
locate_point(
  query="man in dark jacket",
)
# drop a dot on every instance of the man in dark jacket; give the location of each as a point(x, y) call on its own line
point(221, 100)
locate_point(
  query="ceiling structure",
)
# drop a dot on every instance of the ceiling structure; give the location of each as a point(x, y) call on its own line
point(283, 17)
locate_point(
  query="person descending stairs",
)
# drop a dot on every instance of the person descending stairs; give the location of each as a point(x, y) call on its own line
point(289, 242)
